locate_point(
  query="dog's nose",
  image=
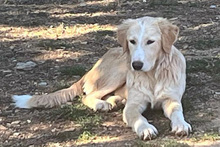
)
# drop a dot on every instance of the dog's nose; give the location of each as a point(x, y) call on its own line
point(137, 65)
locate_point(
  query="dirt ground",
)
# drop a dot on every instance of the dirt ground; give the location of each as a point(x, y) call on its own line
point(64, 38)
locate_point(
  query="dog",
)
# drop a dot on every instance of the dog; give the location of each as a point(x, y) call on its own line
point(147, 69)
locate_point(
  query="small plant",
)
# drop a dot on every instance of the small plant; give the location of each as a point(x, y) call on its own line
point(207, 136)
point(79, 113)
point(86, 135)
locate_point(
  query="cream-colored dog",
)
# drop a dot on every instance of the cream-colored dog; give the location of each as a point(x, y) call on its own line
point(147, 70)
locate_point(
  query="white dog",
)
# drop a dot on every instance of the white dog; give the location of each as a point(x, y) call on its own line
point(147, 70)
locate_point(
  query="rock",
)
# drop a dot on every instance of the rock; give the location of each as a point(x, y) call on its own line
point(5, 72)
point(25, 65)
point(83, 42)
point(82, 4)
point(2, 128)
point(17, 110)
point(213, 6)
point(42, 84)
point(54, 130)
point(185, 46)
point(15, 122)
point(28, 121)
point(16, 134)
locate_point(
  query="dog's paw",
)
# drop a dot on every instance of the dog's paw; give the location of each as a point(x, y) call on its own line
point(115, 101)
point(147, 132)
point(102, 106)
point(181, 128)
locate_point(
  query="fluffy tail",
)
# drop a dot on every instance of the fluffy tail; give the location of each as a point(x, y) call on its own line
point(49, 100)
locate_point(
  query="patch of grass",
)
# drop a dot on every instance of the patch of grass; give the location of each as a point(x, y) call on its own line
point(211, 66)
point(206, 44)
point(160, 143)
point(73, 70)
point(86, 135)
point(207, 136)
point(81, 115)
point(60, 85)
point(51, 44)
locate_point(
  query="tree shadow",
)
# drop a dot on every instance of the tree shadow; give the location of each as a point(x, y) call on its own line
point(31, 15)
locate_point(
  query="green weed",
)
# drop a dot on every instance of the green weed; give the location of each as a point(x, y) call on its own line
point(86, 135)
point(81, 115)
point(212, 136)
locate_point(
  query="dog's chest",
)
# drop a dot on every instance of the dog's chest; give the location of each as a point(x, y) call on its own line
point(145, 84)
point(141, 81)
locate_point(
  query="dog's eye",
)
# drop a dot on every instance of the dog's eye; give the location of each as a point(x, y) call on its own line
point(132, 42)
point(150, 41)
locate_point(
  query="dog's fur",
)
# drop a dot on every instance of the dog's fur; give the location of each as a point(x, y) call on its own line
point(159, 80)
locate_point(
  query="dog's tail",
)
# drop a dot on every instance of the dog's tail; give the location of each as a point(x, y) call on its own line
point(50, 100)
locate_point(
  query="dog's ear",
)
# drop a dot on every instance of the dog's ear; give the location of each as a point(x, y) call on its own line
point(122, 33)
point(169, 34)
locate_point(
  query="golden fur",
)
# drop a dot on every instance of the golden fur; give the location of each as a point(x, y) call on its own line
point(159, 82)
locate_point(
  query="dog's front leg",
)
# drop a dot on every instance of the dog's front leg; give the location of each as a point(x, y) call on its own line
point(132, 116)
point(173, 110)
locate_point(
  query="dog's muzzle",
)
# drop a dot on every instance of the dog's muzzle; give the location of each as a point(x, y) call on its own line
point(137, 65)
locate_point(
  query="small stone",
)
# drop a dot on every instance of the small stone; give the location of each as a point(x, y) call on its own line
point(8, 75)
point(42, 84)
point(12, 47)
point(185, 46)
point(15, 122)
point(83, 42)
point(8, 124)
point(57, 67)
point(17, 110)
point(54, 130)
point(41, 62)
point(213, 6)
point(28, 121)
point(6, 71)
point(82, 4)
point(2, 127)
point(25, 65)
point(16, 134)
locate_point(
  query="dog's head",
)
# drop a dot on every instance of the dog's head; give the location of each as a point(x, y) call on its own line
point(146, 39)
